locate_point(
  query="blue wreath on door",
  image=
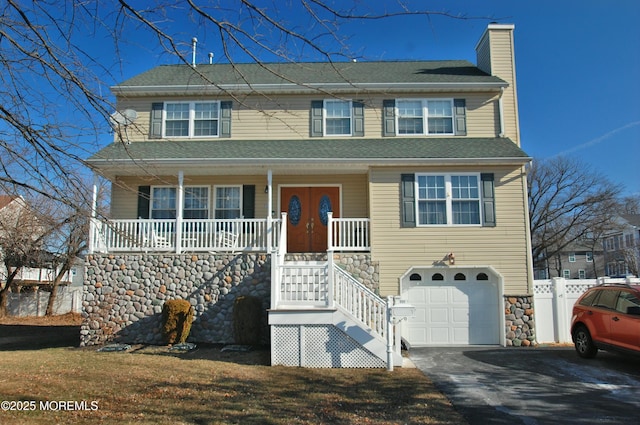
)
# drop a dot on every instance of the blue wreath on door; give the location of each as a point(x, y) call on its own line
point(324, 208)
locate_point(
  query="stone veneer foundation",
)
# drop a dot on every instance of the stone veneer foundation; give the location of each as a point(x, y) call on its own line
point(124, 294)
point(519, 321)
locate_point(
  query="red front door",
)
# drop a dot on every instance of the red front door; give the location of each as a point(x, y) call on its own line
point(307, 209)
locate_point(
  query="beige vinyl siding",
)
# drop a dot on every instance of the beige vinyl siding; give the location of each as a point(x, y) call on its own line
point(495, 55)
point(503, 66)
point(503, 247)
point(124, 192)
point(288, 117)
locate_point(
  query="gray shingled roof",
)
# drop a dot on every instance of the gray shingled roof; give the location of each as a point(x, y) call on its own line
point(315, 149)
point(356, 73)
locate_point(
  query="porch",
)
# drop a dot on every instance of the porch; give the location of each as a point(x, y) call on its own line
point(216, 235)
point(319, 314)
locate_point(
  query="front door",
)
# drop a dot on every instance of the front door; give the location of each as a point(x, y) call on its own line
point(307, 209)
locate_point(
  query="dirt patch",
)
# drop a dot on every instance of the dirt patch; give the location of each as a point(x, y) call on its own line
point(70, 319)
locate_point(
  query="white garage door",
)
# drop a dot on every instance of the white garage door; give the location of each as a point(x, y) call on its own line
point(452, 312)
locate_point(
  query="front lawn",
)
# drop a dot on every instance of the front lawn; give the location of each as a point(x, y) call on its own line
point(154, 386)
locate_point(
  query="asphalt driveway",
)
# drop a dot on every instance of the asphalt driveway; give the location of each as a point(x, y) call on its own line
point(544, 385)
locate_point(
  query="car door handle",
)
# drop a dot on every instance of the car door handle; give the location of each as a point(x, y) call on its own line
point(615, 318)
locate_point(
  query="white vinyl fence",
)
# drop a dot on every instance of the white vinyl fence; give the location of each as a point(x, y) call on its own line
point(34, 303)
point(553, 301)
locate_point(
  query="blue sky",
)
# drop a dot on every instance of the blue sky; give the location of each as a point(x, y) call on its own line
point(577, 63)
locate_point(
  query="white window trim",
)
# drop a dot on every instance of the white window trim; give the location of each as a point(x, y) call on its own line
point(582, 274)
point(589, 257)
point(425, 117)
point(192, 120)
point(214, 197)
point(151, 196)
point(566, 273)
point(448, 199)
point(324, 117)
point(572, 257)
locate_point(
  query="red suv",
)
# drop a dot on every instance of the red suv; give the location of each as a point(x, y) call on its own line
point(607, 316)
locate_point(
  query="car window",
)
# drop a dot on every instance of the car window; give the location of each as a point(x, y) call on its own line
point(608, 299)
point(588, 299)
point(626, 300)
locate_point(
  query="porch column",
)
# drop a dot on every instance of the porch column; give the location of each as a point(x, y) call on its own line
point(179, 213)
point(269, 210)
point(94, 214)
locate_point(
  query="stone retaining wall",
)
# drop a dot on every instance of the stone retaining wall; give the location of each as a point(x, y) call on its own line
point(519, 321)
point(124, 294)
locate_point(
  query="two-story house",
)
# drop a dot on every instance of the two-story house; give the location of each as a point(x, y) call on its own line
point(622, 247)
point(335, 185)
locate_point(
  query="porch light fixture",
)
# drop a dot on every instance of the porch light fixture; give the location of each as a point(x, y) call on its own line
point(266, 189)
point(452, 258)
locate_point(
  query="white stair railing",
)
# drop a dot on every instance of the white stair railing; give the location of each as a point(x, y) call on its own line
point(359, 301)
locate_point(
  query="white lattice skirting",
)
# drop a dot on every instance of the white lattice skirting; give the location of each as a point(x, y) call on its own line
point(318, 346)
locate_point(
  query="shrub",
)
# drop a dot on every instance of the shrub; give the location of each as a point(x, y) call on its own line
point(177, 316)
point(247, 320)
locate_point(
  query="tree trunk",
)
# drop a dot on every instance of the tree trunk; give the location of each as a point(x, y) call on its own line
point(54, 289)
point(4, 296)
point(4, 292)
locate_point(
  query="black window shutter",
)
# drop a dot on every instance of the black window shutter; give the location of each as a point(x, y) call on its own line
point(249, 201)
point(144, 198)
point(316, 118)
point(389, 118)
point(488, 200)
point(358, 118)
point(225, 118)
point(408, 207)
point(155, 127)
point(460, 108)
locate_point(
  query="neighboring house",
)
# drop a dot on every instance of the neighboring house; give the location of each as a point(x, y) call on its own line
point(622, 247)
point(15, 212)
point(409, 174)
point(576, 261)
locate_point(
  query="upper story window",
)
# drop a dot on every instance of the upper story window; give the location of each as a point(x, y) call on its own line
point(191, 119)
point(589, 256)
point(448, 199)
point(572, 257)
point(337, 117)
point(424, 116)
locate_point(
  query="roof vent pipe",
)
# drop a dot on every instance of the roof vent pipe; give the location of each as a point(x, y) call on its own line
point(210, 58)
point(194, 41)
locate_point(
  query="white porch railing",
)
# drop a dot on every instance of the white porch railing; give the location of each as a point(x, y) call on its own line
point(323, 285)
point(193, 235)
point(215, 235)
point(348, 234)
